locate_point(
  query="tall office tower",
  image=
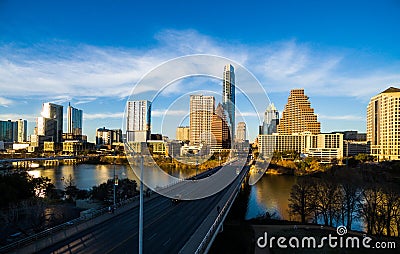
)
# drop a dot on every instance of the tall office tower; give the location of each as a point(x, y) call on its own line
point(55, 112)
point(8, 131)
point(74, 121)
point(298, 116)
point(201, 111)
point(183, 133)
point(383, 124)
point(228, 95)
point(241, 131)
point(271, 120)
point(220, 130)
point(138, 121)
point(47, 127)
point(22, 130)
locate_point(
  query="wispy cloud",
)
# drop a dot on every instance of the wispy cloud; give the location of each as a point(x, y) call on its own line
point(343, 117)
point(89, 116)
point(160, 113)
point(86, 72)
point(14, 116)
point(5, 102)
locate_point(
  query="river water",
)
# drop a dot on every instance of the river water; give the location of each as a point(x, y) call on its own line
point(269, 194)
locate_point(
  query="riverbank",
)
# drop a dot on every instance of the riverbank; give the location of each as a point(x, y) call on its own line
point(241, 238)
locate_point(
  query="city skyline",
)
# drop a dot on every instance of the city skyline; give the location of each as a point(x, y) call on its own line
point(341, 63)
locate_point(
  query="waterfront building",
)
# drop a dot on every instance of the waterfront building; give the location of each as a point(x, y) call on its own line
point(383, 125)
point(228, 95)
point(220, 130)
point(298, 116)
point(107, 136)
point(183, 133)
point(53, 112)
point(138, 121)
point(325, 146)
point(271, 120)
point(47, 127)
point(8, 131)
point(201, 111)
point(241, 131)
point(74, 120)
point(22, 133)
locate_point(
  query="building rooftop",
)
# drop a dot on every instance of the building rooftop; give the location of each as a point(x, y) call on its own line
point(392, 90)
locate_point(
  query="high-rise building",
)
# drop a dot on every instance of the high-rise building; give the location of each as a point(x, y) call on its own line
point(241, 131)
point(138, 121)
point(201, 111)
point(183, 133)
point(228, 95)
point(383, 124)
point(55, 112)
point(8, 131)
point(22, 130)
point(298, 116)
point(108, 137)
point(47, 127)
point(271, 120)
point(74, 120)
point(220, 130)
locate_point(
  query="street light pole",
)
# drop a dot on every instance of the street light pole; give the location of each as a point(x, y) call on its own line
point(114, 183)
point(197, 165)
point(141, 207)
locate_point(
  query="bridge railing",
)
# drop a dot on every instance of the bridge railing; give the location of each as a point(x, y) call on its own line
point(206, 240)
point(48, 232)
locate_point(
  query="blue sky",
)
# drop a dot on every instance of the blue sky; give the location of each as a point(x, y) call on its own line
point(92, 53)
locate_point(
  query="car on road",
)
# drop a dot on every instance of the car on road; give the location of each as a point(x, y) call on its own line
point(176, 199)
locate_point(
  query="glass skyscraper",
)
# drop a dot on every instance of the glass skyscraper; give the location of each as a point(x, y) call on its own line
point(54, 112)
point(74, 120)
point(228, 95)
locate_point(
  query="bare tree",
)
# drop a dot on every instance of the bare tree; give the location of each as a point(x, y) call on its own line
point(351, 195)
point(300, 201)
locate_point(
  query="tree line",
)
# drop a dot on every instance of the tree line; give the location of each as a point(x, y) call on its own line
point(29, 203)
point(369, 192)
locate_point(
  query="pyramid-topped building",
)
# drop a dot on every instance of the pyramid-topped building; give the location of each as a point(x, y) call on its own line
point(298, 116)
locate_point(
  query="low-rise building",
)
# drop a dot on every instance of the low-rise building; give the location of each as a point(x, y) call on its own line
point(326, 146)
point(76, 146)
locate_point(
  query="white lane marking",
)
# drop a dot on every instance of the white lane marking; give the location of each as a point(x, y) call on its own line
point(151, 237)
point(169, 239)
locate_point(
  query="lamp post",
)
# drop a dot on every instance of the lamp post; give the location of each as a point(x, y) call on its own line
point(197, 165)
point(141, 207)
point(115, 183)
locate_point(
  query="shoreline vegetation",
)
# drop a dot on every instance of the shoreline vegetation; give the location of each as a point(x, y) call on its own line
point(358, 187)
point(324, 196)
point(29, 205)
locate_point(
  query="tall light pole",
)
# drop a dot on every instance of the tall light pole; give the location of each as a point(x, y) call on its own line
point(115, 182)
point(197, 165)
point(141, 207)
